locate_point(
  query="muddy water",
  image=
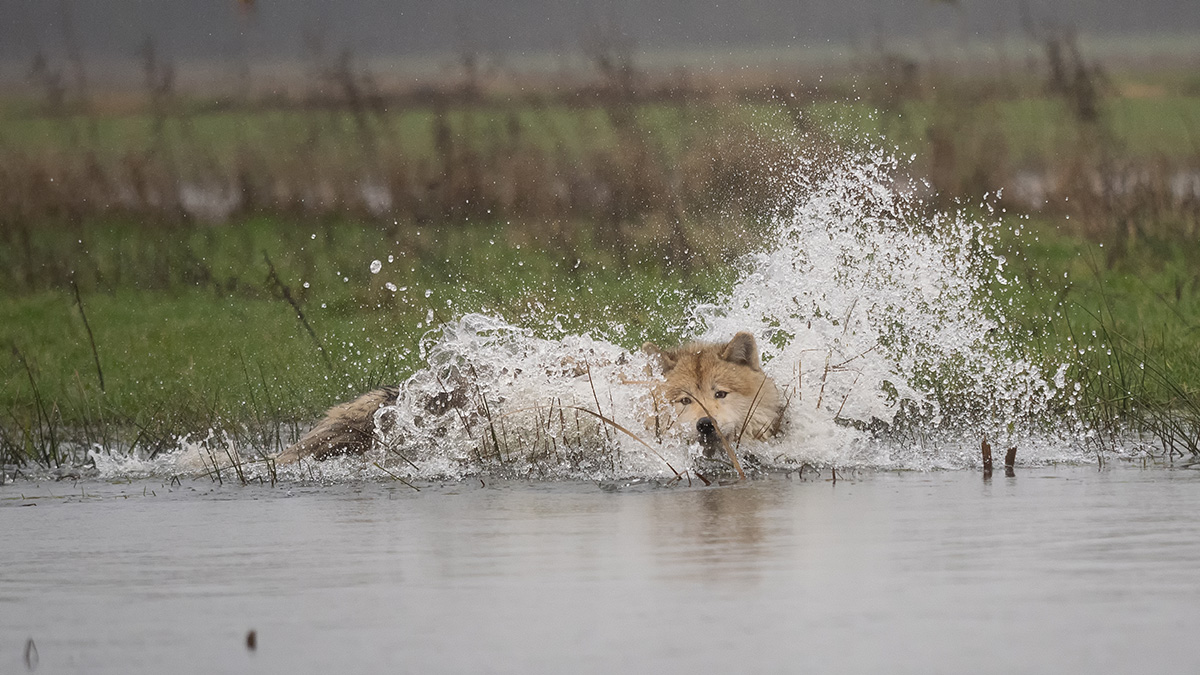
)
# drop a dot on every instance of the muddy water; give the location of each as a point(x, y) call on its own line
point(1056, 570)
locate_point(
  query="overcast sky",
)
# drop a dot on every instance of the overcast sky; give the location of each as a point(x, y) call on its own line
point(187, 29)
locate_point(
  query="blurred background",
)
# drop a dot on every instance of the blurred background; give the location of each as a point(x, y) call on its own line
point(210, 183)
point(266, 31)
point(209, 111)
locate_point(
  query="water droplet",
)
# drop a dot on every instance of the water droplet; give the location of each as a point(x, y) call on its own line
point(376, 266)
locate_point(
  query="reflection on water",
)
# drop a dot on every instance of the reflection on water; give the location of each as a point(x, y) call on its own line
point(715, 534)
point(1057, 570)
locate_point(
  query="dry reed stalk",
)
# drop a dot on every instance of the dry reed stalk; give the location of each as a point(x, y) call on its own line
point(377, 465)
point(45, 421)
point(487, 413)
point(216, 468)
point(404, 457)
point(235, 460)
point(614, 424)
point(721, 435)
point(272, 469)
point(843, 364)
point(986, 450)
point(457, 409)
point(838, 414)
point(824, 378)
point(88, 326)
point(287, 295)
point(750, 413)
point(592, 384)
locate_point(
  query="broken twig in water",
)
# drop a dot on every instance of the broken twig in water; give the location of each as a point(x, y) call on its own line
point(31, 655)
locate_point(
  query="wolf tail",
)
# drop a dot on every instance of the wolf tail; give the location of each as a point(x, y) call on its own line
point(347, 428)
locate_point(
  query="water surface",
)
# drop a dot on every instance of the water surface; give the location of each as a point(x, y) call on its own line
point(1066, 569)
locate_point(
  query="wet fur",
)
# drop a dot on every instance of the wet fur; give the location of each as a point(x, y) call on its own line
point(718, 389)
point(694, 372)
point(347, 428)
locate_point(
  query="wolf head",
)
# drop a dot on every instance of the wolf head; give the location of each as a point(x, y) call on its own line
point(718, 390)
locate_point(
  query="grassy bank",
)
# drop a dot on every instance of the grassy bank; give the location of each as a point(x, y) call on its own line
point(179, 266)
point(266, 324)
point(185, 353)
point(1120, 156)
point(1129, 325)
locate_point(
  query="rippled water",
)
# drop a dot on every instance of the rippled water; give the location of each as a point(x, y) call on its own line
point(1060, 569)
point(870, 312)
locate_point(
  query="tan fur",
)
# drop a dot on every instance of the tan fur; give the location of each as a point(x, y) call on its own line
point(718, 388)
point(347, 428)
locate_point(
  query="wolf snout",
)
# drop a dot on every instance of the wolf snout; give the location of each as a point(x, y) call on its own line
point(708, 436)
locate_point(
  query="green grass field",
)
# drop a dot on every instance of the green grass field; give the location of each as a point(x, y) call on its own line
point(193, 331)
point(188, 356)
point(1031, 130)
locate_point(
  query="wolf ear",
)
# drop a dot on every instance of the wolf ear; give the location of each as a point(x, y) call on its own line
point(742, 350)
point(667, 360)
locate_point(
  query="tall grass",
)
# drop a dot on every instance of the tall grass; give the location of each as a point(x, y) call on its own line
point(203, 259)
point(615, 151)
point(1141, 377)
point(227, 351)
point(1127, 328)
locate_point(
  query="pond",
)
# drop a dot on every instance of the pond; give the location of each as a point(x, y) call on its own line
point(1058, 569)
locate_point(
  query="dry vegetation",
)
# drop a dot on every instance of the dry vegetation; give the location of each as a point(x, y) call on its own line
point(618, 167)
point(617, 148)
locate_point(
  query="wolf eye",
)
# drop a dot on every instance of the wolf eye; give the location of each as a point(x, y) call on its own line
point(684, 401)
point(721, 394)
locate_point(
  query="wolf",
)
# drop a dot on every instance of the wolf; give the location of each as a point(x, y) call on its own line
point(717, 392)
point(347, 429)
point(713, 393)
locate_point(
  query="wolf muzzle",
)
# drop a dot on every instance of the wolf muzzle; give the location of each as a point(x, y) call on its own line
point(709, 438)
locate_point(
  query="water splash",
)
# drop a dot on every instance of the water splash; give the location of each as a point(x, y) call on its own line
point(495, 398)
point(883, 318)
point(878, 318)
